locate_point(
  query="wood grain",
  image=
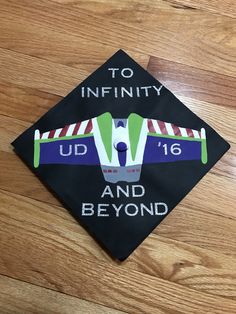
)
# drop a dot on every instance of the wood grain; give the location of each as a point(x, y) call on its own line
point(38, 73)
point(215, 6)
point(173, 28)
point(54, 46)
point(16, 100)
point(194, 83)
point(20, 297)
point(48, 262)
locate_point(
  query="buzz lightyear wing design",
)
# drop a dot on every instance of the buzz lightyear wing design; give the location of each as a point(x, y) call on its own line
point(119, 146)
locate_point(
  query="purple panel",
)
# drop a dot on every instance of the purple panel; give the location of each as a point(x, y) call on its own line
point(159, 149)
point(79, 151)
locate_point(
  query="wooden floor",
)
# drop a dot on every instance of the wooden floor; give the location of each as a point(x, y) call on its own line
point(48, 262)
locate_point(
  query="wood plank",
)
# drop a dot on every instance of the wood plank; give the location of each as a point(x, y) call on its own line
point(213, 194)
point(17, 100)
point(228, 7)
point(10, 129)
point(56, 263)
point(188, 265)
point(27, 37)
point(40, 74)
point(194, 83)
point(36, 73)
point(200, 228)
point(21, 297)
point(166, 31)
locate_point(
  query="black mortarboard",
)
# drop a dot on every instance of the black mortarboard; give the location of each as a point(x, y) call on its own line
point(120, 151)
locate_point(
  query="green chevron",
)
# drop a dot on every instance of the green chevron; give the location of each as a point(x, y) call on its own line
point(105, 127)
point(204, 151)
point(135, 123)
point(36, 153)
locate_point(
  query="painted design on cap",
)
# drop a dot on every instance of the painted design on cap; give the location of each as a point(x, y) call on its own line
point(119, 146)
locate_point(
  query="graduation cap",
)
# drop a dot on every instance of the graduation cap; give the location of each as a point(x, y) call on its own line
point(120, 151)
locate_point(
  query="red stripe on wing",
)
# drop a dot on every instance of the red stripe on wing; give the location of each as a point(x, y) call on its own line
point(162, 127)
point(64, 131)
point(190, 132)
point(176, 130)
point(51, 133)
point(151, 127)
point(76, 128)
point(88, 127)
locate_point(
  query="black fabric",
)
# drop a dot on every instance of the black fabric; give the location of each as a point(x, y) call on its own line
point(163, 182)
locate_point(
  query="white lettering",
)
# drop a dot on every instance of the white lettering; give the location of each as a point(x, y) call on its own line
point(131, 205)
point(135, 188)
point(158, 206)
point(119, 189)
point(131, 72)
point(117, 209)
point(125, 91)
point(130, 209)
point(158, 90)
point(105, 90)
point(115, 91)
point(87, 209)
point(146, 88)
point(144, 207)
point(84, 149)
point(138, 91)
point(90, 91)
point(82, 91)
point(121, 91)
point(65, 154)
point(107, 191)
point(113, 71)
point(102, 211)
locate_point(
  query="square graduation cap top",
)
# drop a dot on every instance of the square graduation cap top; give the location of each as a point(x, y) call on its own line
point(120, 151)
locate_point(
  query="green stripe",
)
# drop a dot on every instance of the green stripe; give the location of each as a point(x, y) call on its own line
point(64, 138)
point(135, 123)
point(105, 127)
point(176, 137)
point(204, 151)
point(36, 153)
